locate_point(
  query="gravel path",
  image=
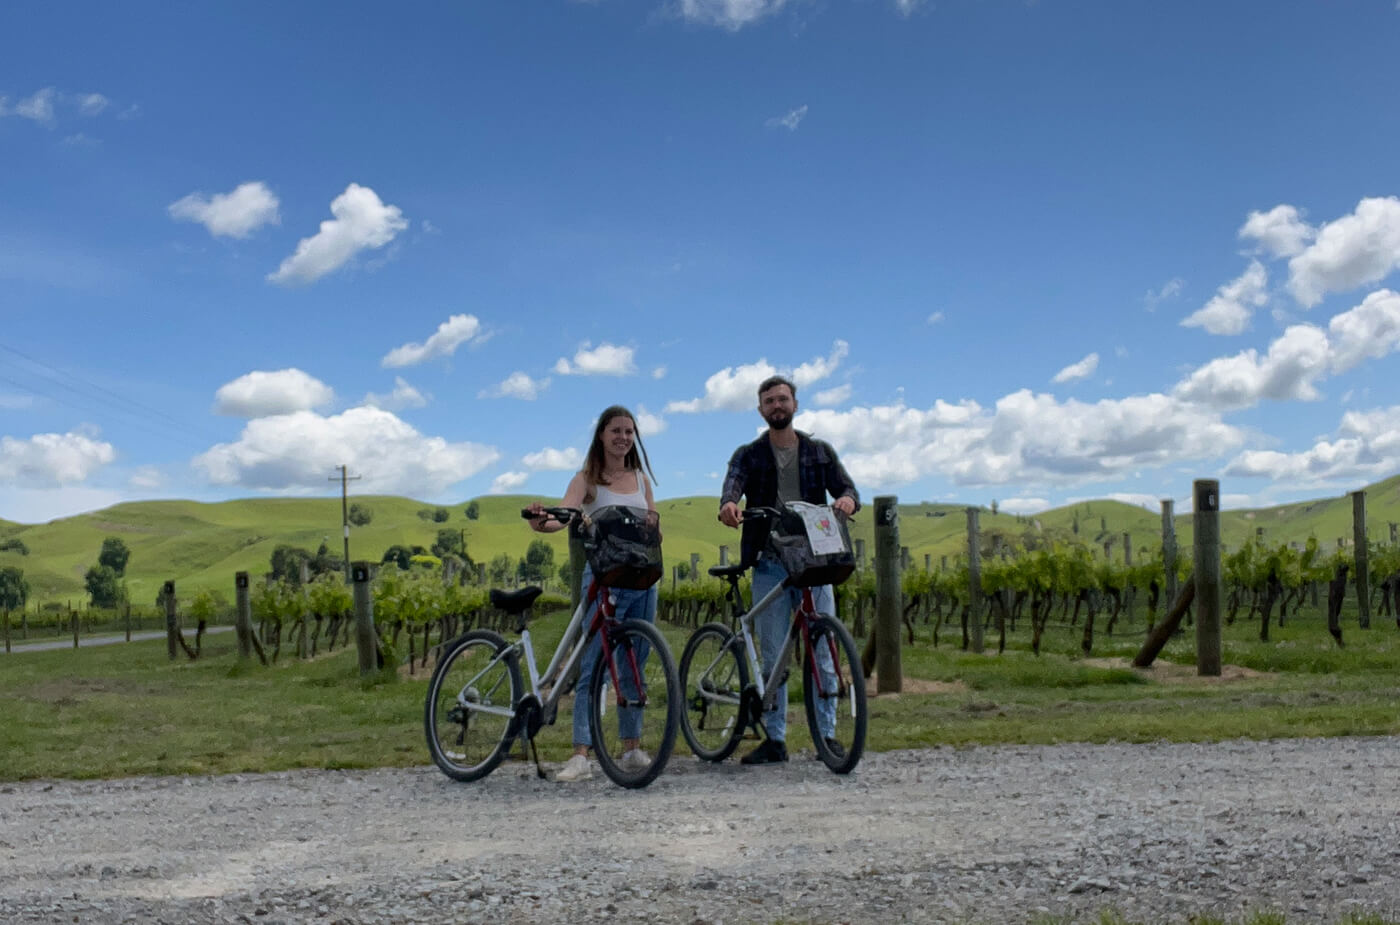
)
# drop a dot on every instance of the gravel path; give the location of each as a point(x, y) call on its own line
point(995, 835)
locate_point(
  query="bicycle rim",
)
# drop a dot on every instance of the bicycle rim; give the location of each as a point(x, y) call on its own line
point(713, 677)
point(469, 713)
point(633, 722)
point(833, 691)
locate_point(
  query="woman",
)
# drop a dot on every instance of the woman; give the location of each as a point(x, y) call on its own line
point(612, 474)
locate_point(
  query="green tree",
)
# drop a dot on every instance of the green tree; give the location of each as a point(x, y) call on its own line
point(325, 562)
point(114, 555)
point(441, 515)
point(425, 513)
point(360, 514)
point(287, 561)
point(449, 542)
point(473, 510)
point(105, 586)
point(14, 590)
point(16, 544)
point(500, 568)
point(399, 555)
point(538, 563)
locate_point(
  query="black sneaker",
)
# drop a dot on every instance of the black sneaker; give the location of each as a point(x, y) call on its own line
point(769, 751)
point(836, 748)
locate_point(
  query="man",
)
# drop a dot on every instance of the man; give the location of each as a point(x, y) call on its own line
point(782, 465)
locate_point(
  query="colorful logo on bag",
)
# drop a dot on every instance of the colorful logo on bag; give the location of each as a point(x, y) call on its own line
point(825, 524)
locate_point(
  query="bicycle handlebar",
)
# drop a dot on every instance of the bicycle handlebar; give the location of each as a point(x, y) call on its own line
point(561, 514)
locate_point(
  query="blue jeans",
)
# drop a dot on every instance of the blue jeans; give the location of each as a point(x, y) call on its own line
point(771, 625)
point(629, 605)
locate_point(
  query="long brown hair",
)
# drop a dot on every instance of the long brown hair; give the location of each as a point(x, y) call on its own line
point(597, 459)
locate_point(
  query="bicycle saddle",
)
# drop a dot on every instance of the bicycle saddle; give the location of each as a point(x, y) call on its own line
point(728, 571)
point(515, 602)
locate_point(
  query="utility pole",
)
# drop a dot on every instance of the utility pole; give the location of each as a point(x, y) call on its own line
point(345, 479)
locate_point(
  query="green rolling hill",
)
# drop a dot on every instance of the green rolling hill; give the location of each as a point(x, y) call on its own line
point(201, 545)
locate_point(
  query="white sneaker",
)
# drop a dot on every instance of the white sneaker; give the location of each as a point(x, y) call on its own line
point(576, 768)
point(634, 760)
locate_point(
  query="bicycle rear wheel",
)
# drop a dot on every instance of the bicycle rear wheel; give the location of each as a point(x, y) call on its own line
point(833, 689)
point(469, 715)
point(713, 677)
point(633, 721)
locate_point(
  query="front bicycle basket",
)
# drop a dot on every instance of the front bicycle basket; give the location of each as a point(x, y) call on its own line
point(813, 545)
point(623, 546)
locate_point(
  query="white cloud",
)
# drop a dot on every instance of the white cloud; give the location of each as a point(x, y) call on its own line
point(516, 385)
point(1170, 290)
point(1076, 371)
point(790, 121)
point(1294, 362)
point(552, 460)
point(9, 401)
point(603, 360)
point(261, 393)
point(507, 482)
point(46, 460)
point(1352, 251)
point(831, 397)
point(1370, 330)
point(659, 373)
point(295, 454)
point(730, 14)
point(90, 104)
point(907, 7)
point(935, 318)
point(38, 107)
point(649, 424)
point(146, 478)
point(736, 388)
point(1229, 312)
point(1366, 447)
point(1281, 231)
point(404, 395)
point(1023, 505)
point(451, 334)
point(361, 221)
point(236, 215)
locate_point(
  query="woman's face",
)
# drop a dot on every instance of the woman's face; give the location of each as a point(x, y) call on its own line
point(619, 434)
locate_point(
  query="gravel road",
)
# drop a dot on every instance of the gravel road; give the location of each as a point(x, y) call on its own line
point(994, 835)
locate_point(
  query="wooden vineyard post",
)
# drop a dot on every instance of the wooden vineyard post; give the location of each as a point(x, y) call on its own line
point(7, 632)
point(172, 629)
point(242, 616)
point(1207, 564)
point(128, 623)
point(1169, 548)
point(365, 640)
point(73, 618)
point(974, 581)
point(860, 553)
point(695, 566)
point(1127, 548)
point(1394, 529)
point(724, 555)
point(303, 644)
point(1362, 578)
point(928, 562)
point(888, 604)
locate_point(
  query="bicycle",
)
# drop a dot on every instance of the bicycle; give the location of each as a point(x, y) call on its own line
point(721, 702)
point(478, 703)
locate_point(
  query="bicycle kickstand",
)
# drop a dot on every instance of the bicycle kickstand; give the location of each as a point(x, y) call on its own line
point(535, 752)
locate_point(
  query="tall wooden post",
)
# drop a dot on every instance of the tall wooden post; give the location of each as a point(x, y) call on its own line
point(303, 645)
point(366, 642)
point(1363, 576)
point(7, 632)
point(928, 562)
point(242, 616)
point(695, 566)
point(73, 618)
point(1169, 548)
point(860, 552)
point(172, 628)
point(128, 622)
point(1206, 505)
point(724, 555)
point(974, 581)
point(1127, 548)
point(943, 563)
point(905, 559)
point(888, 596)
point(1394, 528)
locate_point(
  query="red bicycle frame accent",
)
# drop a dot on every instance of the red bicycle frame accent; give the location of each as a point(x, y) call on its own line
point(805, 613)
point(605, 613)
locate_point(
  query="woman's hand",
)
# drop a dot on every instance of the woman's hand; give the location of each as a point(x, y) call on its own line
point(537, 516)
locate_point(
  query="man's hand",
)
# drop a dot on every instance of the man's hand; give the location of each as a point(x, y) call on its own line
point(729, 514)
point(844, 505)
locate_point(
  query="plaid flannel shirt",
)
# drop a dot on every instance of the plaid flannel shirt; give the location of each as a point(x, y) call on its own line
point(753, 474)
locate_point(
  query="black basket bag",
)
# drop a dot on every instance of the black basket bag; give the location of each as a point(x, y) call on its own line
point(623, 546)
point(789, 541)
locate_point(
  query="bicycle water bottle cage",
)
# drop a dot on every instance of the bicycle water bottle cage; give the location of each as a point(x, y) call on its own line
point(515, 603)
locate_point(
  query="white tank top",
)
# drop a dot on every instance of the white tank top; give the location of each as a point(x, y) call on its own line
point(607, 497)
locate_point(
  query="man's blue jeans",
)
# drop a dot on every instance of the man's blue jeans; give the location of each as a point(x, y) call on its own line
point(771, 625)
point(629, 605)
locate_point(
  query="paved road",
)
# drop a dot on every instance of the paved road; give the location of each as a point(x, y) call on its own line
point(104, 639)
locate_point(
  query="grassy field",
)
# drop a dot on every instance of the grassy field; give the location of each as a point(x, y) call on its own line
point(202, 545)
point(124, 709)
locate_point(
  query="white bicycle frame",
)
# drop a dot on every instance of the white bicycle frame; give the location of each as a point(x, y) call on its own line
point(767, 687)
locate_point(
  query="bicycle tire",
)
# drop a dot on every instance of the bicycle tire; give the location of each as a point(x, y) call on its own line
point(830, 637)
point(636, 646)
point(466, 743)
point(713, 675)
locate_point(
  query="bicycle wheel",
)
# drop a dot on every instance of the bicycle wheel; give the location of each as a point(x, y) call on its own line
point(469, 715)
point(833, 689)
point(634, 745)
point(714, 674)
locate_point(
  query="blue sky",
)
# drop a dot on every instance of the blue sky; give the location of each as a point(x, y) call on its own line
point(1024, 251)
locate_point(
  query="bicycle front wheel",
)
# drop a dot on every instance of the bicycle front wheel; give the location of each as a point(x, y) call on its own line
point(634, 704)
point(714, 675)
point(469, 716)
point(833, 689)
